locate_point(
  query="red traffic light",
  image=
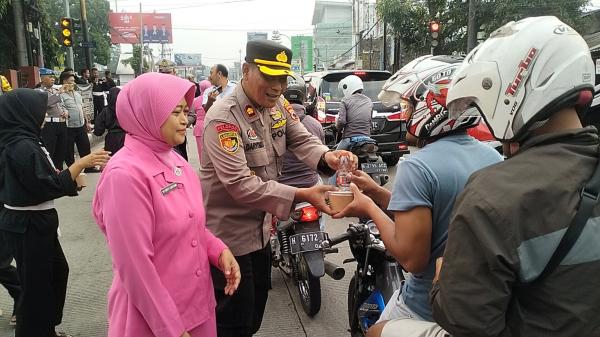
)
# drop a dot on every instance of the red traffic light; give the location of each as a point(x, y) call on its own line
point(434, 26)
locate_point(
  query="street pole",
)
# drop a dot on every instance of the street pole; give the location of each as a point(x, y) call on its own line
point(384, 46)
point(116, 8)
point(70, 62)
point(17, 6)
point(471, 33)
point(86, 37)
point(141, 41)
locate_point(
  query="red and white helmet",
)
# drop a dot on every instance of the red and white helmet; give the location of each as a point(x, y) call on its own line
point(422, 85)
point(525, 72)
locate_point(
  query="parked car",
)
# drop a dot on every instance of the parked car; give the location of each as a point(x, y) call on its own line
point(389, 126)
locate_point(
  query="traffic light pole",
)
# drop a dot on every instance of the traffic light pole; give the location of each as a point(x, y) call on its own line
point(70, 62)
point(86, 38)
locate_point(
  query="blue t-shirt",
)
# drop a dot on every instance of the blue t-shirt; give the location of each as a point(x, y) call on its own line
point(433, 177)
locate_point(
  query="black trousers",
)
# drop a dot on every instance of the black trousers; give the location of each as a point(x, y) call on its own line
point(9, 278)
point(98, 106)
point(77, 136)
point(43, 272)
point(54, 135)
point(240, 315)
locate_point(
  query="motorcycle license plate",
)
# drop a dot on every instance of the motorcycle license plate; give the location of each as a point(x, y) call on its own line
point(378, 167)
point(306, 242)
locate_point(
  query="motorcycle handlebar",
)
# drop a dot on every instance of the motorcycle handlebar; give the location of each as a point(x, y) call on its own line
point(352, 231)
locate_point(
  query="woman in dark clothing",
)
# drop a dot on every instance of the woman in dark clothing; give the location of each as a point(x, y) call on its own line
point(107, 120)
point(29, 183)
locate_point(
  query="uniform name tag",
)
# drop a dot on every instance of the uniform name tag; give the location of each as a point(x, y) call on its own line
point(168, 189)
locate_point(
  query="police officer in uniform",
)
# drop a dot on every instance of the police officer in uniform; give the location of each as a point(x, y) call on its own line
point(245, 137)
point(168, 67)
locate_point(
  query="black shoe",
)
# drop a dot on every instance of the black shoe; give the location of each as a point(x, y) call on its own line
point(91, 170)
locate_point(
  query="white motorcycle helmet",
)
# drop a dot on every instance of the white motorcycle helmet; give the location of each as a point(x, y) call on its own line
point(522, 74)
point(349, 85)
point(420, 88)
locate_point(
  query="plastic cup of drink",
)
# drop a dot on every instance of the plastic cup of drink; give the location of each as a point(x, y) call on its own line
point(338, 200)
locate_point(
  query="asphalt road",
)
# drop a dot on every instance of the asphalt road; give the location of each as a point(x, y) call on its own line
point(91, 274)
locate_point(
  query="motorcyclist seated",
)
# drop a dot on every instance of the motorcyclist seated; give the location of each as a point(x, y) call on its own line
point(426, 185)
point(354, 116)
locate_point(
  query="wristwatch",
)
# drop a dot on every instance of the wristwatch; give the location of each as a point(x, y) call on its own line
point(323, 167)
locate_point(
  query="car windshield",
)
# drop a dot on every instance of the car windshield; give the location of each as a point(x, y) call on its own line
point(373, 82)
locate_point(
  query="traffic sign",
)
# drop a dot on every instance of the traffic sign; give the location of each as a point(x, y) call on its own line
point(89, 44)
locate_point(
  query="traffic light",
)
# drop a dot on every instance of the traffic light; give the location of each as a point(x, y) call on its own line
point(434, 29)
point(66, 32)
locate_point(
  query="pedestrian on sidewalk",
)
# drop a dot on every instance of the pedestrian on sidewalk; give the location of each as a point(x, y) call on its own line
point(200, 113)
point(29, 183)
point(148, 203)
point(107, 121)
point(77, 123)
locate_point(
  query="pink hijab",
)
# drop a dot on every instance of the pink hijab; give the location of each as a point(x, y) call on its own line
point(204, 84)
point(145, 103)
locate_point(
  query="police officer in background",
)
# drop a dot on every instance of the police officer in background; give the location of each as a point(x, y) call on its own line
point(245, 137)
point(168, 67)
point(54, 131)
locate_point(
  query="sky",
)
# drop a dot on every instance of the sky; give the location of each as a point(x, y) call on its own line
point(217, 28)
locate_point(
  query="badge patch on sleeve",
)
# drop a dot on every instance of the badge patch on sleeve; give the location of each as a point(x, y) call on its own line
point(290, 110)
point(224, 127)
point(230, 141)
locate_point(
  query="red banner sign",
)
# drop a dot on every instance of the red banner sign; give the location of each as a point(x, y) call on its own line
point(154, 27)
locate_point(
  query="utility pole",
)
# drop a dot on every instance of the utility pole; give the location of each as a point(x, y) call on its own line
point(86, 36)
point(141, 41)
point(384, 46)
point(17, 6)
point(70, 62)
point(116, 8)
point(471, 26)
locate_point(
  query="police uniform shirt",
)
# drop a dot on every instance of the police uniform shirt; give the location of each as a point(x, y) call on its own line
point(241, 159)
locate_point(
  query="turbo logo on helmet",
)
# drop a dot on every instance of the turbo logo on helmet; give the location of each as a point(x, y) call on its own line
point(522, 73)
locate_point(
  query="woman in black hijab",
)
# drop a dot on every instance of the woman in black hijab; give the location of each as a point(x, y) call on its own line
point(29, 183)
point(107, 120)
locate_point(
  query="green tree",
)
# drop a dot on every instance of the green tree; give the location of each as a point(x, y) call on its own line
point(409, 19)
point(135, 60)
point(97, 15)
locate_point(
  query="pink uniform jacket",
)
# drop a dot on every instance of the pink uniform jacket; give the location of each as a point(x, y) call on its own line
point(149, 205)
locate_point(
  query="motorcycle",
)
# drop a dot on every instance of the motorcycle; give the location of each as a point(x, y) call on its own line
point(296, 246)
point(375, 279)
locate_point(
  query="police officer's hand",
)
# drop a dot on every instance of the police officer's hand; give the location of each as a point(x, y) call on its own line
point(316, 196)
point(332, 158)
point(360, 207)
point(213, 96)
point(231, 269)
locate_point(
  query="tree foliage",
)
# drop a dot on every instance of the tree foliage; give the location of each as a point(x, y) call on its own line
point(134, 61)
point(409, 19)
point(50, 13)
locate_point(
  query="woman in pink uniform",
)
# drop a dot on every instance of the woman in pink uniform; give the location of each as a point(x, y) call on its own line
point(200, 113)
point(149, 205)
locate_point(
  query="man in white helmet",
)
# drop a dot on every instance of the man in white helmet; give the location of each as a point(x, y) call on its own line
point(506, 269)
point(356, 109)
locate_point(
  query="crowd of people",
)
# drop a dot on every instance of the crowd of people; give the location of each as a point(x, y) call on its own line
point(491, 247)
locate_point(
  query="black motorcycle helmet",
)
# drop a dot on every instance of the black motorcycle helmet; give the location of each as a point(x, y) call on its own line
point(296, 89)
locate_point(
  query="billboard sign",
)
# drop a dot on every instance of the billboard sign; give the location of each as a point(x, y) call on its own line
point(126, 27)
point(189, 60)
point(257, 36)
point(302, 52)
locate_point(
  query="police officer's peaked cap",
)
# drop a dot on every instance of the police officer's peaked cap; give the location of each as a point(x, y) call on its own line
point(46, 72)
point(165, 66)
point(271, 57)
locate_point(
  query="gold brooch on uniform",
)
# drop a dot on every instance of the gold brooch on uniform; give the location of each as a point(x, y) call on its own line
point(250, 111)
point(281, 57)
